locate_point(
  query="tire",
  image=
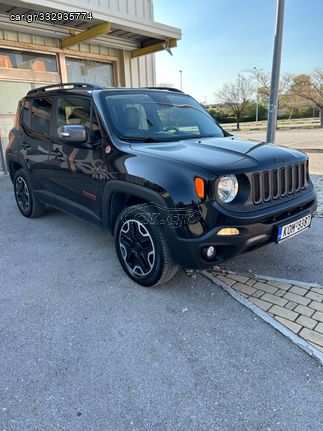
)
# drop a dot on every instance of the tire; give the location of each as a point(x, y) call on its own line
point(142, 248)
point(27, 203)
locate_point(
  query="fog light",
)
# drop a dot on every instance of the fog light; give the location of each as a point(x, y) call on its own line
point(228, 231)
point(208, 252)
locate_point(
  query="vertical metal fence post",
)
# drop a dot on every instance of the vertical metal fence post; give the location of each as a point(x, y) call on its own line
point(3, 167)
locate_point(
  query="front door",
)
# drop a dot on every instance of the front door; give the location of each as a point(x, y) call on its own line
point(73, 169)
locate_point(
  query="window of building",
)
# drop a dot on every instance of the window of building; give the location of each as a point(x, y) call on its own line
point(40, 115)
point(94, 72)
point(11, 59)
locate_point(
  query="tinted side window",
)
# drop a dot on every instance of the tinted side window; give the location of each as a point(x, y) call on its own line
point(77, 110)
point(25, 115)
point(40, 115)
point(73, 110)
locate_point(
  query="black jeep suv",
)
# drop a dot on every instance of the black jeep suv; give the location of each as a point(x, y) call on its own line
point(153, 168)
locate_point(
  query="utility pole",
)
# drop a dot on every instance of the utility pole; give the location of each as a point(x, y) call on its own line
point(181, 79)
point(272, 115)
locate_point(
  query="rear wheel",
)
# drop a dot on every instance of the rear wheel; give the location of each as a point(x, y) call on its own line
point(141, 247)
point(27, 203)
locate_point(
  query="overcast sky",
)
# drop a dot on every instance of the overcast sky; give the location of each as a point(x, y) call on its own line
point(224, 37)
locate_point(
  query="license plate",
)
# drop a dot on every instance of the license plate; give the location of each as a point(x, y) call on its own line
point(291, 229)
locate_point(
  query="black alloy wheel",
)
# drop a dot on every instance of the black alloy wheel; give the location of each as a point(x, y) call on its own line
point(27, 203)
point(22, 195)
point(142, 247)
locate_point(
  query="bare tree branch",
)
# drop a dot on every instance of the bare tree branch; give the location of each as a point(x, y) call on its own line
point(237, 94)
point(309, 87)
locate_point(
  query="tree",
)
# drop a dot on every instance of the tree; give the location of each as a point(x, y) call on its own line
point(263, 82)
point(237, 94)
point(293, 103)
point(310, 87)
point(261, 77)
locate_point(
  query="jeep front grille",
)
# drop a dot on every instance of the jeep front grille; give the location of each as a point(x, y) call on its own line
point(277, 183)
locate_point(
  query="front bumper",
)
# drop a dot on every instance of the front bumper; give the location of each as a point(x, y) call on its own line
point(254, 233)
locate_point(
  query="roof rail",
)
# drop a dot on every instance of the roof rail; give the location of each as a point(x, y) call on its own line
point(66, 85)
point(165, 88)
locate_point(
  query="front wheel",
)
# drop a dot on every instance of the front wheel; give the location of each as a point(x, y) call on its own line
point(142, 248)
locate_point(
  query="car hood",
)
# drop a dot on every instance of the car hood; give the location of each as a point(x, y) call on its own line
point(224, 155)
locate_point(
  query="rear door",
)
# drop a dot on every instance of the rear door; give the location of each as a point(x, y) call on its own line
point(35, 143)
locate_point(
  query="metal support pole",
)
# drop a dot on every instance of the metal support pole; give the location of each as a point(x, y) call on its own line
point(272, 115)
point(3, 168)
point(181, 79)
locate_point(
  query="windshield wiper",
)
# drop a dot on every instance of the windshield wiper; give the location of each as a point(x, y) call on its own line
point(138, 138)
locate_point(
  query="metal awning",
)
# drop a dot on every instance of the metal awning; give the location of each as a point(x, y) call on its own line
point(121, 31)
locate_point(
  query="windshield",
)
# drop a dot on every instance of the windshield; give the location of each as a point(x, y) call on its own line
point(159, 116)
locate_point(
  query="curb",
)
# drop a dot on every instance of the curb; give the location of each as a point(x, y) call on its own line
point(310, 150)
point(308, 348)
point(268, 278)
point(287, 281)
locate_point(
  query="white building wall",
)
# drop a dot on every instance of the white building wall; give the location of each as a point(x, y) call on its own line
point(139, 8)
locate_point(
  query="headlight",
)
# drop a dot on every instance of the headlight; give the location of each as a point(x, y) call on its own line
point(227, 188)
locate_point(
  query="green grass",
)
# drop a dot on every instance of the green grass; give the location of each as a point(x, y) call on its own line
point(304, 123)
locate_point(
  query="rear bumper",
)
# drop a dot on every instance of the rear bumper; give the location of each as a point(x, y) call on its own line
point(254, 233)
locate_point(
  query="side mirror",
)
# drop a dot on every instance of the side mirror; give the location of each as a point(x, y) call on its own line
point(73, 134)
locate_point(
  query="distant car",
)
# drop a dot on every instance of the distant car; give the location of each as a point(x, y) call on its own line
point(153, 168)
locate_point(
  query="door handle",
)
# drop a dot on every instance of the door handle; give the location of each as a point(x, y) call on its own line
point(26, 146)
point(56, 153)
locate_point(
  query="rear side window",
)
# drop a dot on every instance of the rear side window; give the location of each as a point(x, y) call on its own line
point(40, 115)
point(25, 114)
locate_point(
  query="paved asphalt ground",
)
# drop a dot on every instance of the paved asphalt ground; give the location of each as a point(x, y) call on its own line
point(294, 138)
point(84, 348)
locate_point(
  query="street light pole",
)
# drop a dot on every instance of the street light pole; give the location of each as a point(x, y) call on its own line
point(181, 79)
point(272, 115)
